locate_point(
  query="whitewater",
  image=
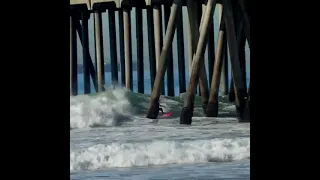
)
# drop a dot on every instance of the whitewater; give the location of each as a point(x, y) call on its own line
point(110, 138)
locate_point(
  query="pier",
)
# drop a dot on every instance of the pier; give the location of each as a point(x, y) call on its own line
point(165, 20)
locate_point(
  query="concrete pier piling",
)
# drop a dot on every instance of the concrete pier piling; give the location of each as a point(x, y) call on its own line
point(211, 51)
point(195, 34)
point(195, 28)
point(139, 39)
point(90, 64)
point(113, 46)
point(157, 14)
point(170, 75)
point(243, 9)
point(224, 71)
point(151, 46)
point(239, 86)
point(246, 111)
point(197, 64)
point(127, 47)
point(213, 104)
point(241, 42)
point(121, 48)
point(85, 50)
point(224, 74)
point(154, 104)
point(181, 59)
point(99, 50)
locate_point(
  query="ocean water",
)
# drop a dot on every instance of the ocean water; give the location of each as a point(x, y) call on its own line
point(110, 138)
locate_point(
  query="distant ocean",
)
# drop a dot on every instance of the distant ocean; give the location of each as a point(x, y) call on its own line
point(147, 85)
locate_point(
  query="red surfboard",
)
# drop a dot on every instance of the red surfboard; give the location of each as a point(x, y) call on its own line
point(162, 116)
point(167, 115)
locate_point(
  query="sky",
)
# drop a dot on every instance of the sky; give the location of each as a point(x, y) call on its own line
point(105, 22)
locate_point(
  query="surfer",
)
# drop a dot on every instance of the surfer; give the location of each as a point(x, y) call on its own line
point(161, 113)
point(160, 109)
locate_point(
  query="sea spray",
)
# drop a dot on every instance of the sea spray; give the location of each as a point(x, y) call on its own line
point(159, 153)
point(117, 106)
point(106, 109)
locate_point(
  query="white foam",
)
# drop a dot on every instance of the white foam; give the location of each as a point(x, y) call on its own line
point(102, 110)
point(229, 107)
point(159, 153)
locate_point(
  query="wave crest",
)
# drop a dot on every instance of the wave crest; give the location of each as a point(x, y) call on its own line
point(159, 153)
point(106, 109)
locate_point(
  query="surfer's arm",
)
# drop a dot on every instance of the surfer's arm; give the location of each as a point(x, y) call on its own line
point(160, 109)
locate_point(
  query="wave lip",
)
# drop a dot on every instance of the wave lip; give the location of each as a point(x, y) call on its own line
point(107, 109)
point(159, 153)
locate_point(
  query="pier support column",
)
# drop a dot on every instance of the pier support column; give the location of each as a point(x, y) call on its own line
point(85, 50)
point(242, 56)
point(170, 74)
point(211, 52)
point(194, 28)
point(73, 58)
point(158, 38)
point(241, 41)
point(139, 39)
point(181, 61)
point(127, 47)
point(154, 104)
point(213, 104)
point(246, 111)
point(190, 42)
point(113, 47)
point(224, 82)
point(198, 64)
point(90, 64)
point(231, 90)
point(239, 86)
point(99, 49)
point(246, 20)
point(151, 44)
point(121, 48)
